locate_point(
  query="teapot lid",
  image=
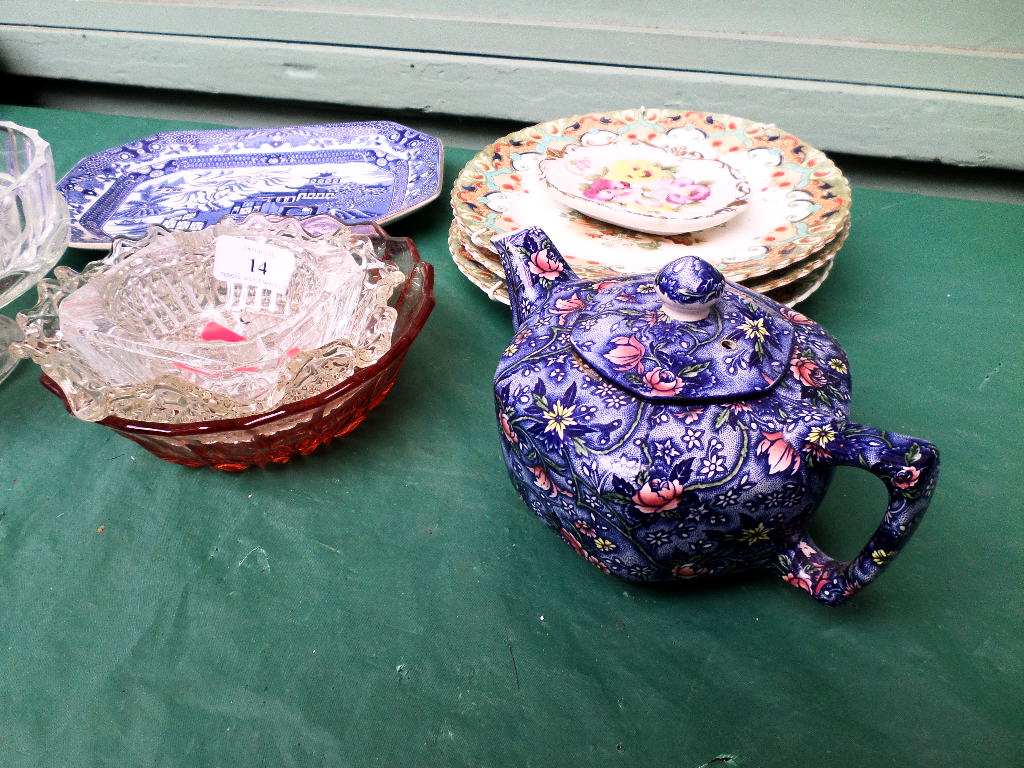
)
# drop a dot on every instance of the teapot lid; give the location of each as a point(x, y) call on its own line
point(684, 336)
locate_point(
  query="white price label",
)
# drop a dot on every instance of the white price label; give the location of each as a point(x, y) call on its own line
point(237, 260)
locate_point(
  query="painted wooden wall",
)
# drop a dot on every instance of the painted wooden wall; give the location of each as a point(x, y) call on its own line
point(919, 79)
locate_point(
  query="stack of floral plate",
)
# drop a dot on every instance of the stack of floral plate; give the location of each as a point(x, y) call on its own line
point(782, 241)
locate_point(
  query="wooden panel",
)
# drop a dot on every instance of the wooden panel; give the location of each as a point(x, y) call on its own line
point(965, 48)
point(980, 24)
point(890, 122)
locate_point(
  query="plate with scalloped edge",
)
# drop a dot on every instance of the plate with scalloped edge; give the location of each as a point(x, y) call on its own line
point(791, 292)
point(187, 180)
point(799, 199)
point(775, 279)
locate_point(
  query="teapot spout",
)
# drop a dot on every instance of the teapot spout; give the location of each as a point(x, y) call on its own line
point(533, 267)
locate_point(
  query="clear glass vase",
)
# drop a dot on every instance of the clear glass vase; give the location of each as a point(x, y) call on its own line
point(33, 223)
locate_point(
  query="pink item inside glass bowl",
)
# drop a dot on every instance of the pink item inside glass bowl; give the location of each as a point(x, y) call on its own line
point(300, 426)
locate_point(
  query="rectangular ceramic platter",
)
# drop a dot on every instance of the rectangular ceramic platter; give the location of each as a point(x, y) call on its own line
point(188, 180)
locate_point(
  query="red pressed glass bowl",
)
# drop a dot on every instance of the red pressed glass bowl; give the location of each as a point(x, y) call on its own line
point(304, 425)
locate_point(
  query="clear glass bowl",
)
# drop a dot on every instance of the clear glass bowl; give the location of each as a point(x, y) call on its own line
point(325, 399)
point(33, 222)
point(227, 308)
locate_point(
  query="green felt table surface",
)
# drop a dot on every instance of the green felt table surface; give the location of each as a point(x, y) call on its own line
point(389, 600)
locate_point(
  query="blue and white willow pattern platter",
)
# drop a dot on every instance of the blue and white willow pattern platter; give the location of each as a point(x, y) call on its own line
point(188, 180)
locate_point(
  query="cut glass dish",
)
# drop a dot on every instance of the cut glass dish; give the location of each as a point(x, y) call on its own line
point(133, 373)
point(327, 397)
point(167, 305)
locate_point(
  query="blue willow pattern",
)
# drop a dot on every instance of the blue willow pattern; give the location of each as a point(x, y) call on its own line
point(357, 172)
point(664, 450)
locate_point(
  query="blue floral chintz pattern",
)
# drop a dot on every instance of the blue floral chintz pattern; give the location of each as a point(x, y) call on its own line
point(690, 280)
point(740, 348)
point(651, 480)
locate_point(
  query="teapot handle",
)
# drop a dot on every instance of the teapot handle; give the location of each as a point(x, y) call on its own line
point(908, 467)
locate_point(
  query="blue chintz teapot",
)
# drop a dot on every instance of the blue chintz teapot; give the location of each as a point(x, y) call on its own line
point(680, 426)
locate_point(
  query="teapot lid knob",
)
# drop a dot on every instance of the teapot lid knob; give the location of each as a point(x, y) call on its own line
point(689, 287)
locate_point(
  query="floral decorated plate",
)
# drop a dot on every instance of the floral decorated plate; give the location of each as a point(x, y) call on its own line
point(799, 200)
point(790, 291)
point(774, 279)
point(477, 274)
point(793, 293)
point(188, 180)
point(644, 187)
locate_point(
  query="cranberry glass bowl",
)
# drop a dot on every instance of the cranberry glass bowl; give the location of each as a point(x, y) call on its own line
point(303, 425)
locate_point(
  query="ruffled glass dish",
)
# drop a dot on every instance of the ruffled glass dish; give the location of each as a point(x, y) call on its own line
point(328, 394)
point(33, 223)
point(225, 309)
